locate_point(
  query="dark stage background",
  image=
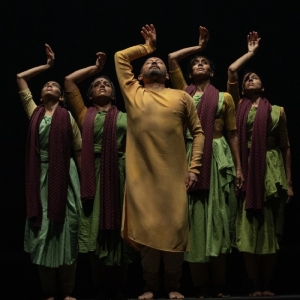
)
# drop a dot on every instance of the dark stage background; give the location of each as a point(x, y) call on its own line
point(76, 30)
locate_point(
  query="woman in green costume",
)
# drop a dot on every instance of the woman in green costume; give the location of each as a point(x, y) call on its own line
point(213, 204)
point(104, 135)
point(265, 154)
point(52, 185)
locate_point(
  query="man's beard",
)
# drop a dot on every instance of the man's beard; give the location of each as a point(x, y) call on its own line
point(155, 73)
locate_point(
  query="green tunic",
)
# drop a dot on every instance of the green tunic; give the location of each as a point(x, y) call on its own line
point(107, 244)
point(54, 244)
point(261, 234)
point(212, 215)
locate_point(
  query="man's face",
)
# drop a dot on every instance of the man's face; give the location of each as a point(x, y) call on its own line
point(154, 67)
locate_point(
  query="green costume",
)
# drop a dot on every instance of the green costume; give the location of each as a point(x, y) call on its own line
point(53, 244)
point(261, 234)
point(107, 244)
point(212, 214)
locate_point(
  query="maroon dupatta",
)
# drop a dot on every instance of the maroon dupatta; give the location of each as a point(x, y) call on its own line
point(254, 161)
point(110, 208)
point(206, 112)
point(59, 152)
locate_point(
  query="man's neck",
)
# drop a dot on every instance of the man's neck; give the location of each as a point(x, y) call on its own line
point(154, 86)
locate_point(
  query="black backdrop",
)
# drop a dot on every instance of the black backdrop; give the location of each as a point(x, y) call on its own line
point(76, 30)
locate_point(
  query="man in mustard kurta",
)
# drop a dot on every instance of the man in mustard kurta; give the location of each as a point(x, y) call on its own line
point(155, 218)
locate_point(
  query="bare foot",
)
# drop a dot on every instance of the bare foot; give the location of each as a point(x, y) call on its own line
point(268, 294)
point(146, 296)
point(256, 294)
point(175, 295)
point(69, 298)
point(223, 295)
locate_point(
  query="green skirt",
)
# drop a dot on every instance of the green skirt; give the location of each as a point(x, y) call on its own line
point(261, 234)
point(55, 244)
point(106, 244)
point(212, 214)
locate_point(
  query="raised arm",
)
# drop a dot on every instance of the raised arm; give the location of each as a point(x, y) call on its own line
point(175, 57)
point(72, 93)
point(253, 45)
point(124, 57)
point(80, 75)
point(23, 77)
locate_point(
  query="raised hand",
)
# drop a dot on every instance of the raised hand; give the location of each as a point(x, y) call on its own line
point(203, 37)
point(50, 56)
point(149, 34)
point(253, 41)
point(100, 61)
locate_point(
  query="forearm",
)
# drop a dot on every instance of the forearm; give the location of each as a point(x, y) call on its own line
point(196, 131)
point(177, 56)
point(233, 142)
point(23, 77)
point(134, 52)
point(178, 80)
point(286, 154)
point(197, 153)
point(123, 66)
point(237, 65)
point(80, 75)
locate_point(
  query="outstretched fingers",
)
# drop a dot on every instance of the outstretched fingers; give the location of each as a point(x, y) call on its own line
point(149, 34)
point(253, 41)
point(50, 56)
point(49, 51)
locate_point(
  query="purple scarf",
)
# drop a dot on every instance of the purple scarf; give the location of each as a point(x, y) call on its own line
point(206, 112)
point(254, 161)
point(59, 152)
point(110, 209)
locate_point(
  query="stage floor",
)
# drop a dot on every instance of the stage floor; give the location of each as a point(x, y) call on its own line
point(285, 297)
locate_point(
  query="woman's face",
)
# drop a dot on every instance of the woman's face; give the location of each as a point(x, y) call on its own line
point(51, 89)
point(101, 87)
point(201, 67)
point(252, 83)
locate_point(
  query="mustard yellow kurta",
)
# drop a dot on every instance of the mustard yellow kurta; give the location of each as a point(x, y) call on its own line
point(155, 207)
